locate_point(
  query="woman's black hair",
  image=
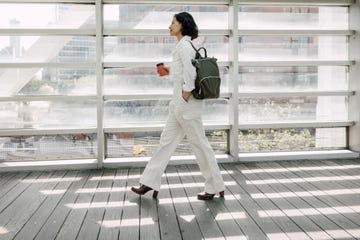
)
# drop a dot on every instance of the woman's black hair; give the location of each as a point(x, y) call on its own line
point(188, 24)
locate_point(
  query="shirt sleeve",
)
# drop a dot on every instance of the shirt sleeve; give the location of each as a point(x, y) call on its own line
point(189, 72)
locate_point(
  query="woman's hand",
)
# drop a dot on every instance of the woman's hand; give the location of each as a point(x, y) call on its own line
point(186, 95)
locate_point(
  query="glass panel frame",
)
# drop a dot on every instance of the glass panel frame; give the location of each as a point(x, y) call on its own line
point(47, 15)
point(144, 144)
point(320, 78)
point(119, 113)
point(281, 109)
point(48, 114)
point(293, 17)
point(293, 48)
point(292, 139)
point(48, 147)
point(156, 16)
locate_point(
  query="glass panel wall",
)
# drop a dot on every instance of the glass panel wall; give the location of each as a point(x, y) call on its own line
point(141, 84)
point(272, 48)
point(146, 16)
point(48, 114)
point(292, 66)
point(144, 144)
point(292, 17)
point(293, 78)
point(49, 147)
point(291, 139)
point(292, 50)
point(47, 81)
point(287, 109)
point(54, 16)
point(149, 112)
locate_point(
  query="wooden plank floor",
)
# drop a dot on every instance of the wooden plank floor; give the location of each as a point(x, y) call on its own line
point(267, 200)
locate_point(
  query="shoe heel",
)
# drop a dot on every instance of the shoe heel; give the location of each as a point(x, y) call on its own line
point(222, 194)
point(155, 193)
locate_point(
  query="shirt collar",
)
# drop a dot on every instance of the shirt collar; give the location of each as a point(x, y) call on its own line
point(185, 38)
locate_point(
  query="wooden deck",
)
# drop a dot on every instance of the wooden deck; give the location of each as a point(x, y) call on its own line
point(273, 200)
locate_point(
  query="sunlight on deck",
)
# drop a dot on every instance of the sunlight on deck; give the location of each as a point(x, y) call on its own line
point(48, 180)
point(3, 230)
point(126, 222)
point(300, 180)
point(310, 211)
point(318, 193)
point(299, 169)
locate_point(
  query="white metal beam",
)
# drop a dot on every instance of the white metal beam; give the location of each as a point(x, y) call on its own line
point(263, 63)
point(44, 132)
point(100, 83)
point(298, 2)
point(295, 124)
point(47, 98)
point(294, 32)
point(46, 32)
point(47, 65)
point(155, 127)
point(304, 93)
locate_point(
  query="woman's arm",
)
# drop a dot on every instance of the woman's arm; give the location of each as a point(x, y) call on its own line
point(187, 53)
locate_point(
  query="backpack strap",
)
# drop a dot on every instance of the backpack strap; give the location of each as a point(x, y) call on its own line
point(198, 55)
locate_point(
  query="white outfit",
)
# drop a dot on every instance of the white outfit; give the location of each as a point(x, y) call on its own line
point(184, 119)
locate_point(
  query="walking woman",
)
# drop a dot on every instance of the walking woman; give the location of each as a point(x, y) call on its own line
point(184, 118)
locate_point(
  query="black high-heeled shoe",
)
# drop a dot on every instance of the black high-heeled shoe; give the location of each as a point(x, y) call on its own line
point(208, 196)
point(144, 189)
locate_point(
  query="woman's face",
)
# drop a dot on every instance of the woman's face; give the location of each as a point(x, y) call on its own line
point(175, 28)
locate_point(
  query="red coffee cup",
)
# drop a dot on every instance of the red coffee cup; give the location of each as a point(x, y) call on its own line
point(162, 70)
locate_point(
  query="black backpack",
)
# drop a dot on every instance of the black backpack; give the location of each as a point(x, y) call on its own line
point(207, 82)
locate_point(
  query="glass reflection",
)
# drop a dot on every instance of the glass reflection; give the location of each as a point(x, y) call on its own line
point(28, 15)
point(293, 78)
point(144, 144)
point(71, 146)
point(117, 113)
point(293, 48)
point(157, 48)
point(48, 114)
point(292, 109)
point(47, 81)
point(144, 16)
point(293, 139)
point(289, 17)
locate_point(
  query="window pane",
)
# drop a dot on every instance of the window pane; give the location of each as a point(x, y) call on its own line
point(48, 114)
point(144, 144)
point(47, 49)
point(142, 16)
point(292, 109)
point(157, 48)
point(47, 81)
point(293, 48)
point(287, 17)
point(52, 147)
point(145, 80)
point(293, 139)
point(293, 78)
point(47, 16)
point(119, 113)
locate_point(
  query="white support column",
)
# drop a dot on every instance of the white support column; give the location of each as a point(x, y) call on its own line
point(329, 105)
point(99, 83)
point(234, 75)
point(354, 77)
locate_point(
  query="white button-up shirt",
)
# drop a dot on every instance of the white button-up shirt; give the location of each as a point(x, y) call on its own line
point(183, 74)
point(182, 71)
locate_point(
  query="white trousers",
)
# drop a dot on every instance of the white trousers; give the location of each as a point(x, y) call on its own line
point(177, 126)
